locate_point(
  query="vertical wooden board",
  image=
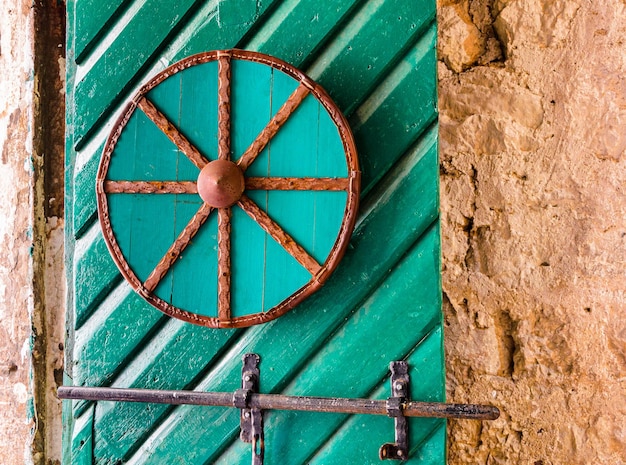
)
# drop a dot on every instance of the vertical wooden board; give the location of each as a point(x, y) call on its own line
point(293, 150)
point(189, 100)
point(328, 216)
point(329, 149)
point(143, 153)
point(328, 213)
point(292, 153)
point(194, 274)
point(248, 245)
point(142, 237)
point(198, 109)
point(251, 109)
point(282, 273)
point(293, 211)
point(167, 99)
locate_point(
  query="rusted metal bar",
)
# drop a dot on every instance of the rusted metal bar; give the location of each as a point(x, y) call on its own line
point(224, 219)
point(281, 402)
point(223, 105)
point(172, 132)
point(180, 244)
point(292, 103)
point(298, 184)
point(150, 187)
point(279, 235)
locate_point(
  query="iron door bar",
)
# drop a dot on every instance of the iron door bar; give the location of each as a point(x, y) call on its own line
point(280, 402)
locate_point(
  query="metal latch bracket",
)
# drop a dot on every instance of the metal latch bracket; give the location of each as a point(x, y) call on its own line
point(398, 450)
point(251, 419)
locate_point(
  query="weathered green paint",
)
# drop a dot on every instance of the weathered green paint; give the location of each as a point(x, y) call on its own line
point(377, 59)
point(92, 18)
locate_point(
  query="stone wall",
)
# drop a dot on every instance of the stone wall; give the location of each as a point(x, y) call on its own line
point(533, 179)
point(17, 420)
point(31, 230)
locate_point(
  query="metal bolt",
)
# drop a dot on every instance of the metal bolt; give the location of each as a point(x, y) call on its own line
point(246, 414)
point(400, 453)
point(398, 386)
point(247, 378)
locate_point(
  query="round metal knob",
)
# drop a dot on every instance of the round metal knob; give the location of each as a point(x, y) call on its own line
point(221, 183)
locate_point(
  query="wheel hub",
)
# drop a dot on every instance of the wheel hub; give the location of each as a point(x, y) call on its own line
point(221, 183)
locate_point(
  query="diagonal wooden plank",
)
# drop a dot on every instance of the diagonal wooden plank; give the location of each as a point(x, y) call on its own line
point(102, 336)
point(357, 60)
point(316, 23)
point(376, 128)
point(350, 443)
point(102, 80)
point(96, 274)
point(174, 359)
point(93, 19)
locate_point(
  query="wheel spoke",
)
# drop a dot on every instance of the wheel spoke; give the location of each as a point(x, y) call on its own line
point(298, 184)
point(223, 263)
point(279, 235)
point(223, 106)
point(180, 244)
point(150, 187)
point(294, 100)
point(172, 133)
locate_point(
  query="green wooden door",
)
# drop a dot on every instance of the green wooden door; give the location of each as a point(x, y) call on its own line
point(376, 59)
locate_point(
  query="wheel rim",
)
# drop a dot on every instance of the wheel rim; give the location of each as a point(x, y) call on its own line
point(114, 187)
